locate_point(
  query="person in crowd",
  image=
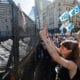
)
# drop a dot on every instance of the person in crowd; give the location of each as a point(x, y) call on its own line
point(78, 37)
point(67, 56)
point(56, 41)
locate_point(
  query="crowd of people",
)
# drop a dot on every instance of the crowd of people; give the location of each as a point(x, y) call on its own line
point(65, 50)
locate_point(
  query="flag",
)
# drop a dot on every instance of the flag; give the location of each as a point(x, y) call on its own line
point(64, 24)
point(75, 10)
point(61, 30)
point(64, 16)
point(70, 27)
point(24, 19)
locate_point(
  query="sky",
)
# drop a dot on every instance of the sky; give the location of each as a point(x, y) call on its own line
point(26, 5)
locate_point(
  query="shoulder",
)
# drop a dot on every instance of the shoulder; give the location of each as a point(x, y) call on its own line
point(69, 64)
point(72, 65)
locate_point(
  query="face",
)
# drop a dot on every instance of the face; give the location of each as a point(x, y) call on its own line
point(64, 51)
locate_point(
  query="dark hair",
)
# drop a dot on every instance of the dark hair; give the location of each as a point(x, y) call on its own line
point(72, 45)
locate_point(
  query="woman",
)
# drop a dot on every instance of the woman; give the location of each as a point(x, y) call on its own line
point(67, 56)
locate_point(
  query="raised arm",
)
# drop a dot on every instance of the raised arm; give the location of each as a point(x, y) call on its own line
point(53, 51)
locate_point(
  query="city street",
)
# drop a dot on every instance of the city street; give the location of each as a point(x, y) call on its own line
point(40, 40)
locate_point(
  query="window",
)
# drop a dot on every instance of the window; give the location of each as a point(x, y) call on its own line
point(5, 20)
point(7, 27)
point(59, 4)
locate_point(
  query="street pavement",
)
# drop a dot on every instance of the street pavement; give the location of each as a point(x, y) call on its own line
point(5, 49)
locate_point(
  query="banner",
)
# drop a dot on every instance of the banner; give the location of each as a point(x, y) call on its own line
point(64, 16)
point(74, 11)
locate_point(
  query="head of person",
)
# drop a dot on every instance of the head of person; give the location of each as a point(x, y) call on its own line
point(70, 49)
point(78, 36)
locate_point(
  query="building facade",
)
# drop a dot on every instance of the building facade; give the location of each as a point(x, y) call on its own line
point(5, 19)
point(53, 11)
point(7, 14)
point(40, 5)
point(68, 6)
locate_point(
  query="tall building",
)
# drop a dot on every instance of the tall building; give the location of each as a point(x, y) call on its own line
point(32, 13)
point(51, 14)
point(39, 6)
point(14, 15)
point(53, 11)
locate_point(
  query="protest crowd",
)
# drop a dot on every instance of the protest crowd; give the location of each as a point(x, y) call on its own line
point(65, 50)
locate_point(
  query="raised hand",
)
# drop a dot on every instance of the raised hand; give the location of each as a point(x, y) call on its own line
point(44, 32)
